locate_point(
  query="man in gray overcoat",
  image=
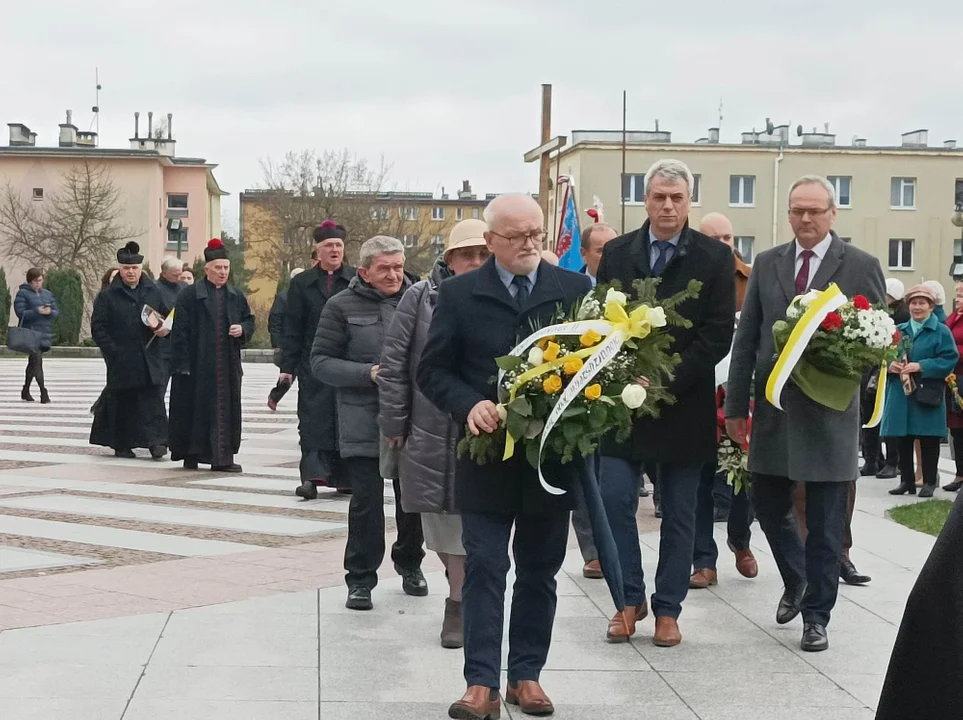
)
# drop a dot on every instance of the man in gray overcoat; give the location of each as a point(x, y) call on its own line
point(808, 443)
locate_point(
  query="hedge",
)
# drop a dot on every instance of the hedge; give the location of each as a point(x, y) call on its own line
point(67, 287)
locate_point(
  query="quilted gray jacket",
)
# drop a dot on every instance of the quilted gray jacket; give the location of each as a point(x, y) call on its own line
point(427, 463)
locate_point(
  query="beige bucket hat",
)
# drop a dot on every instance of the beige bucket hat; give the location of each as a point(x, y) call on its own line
point(467, 233)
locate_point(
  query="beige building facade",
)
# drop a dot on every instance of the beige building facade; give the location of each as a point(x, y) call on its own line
point(894, 202)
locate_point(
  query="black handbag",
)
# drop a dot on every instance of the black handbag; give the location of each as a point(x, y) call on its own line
point(929, 392)
point(23, 340)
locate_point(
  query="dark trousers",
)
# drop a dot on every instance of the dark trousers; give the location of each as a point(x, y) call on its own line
point(957, 434)
point(35, 370)
point(815, 563)
point(365, 549)
point(706, 553)
point(580, 517)
point(538, 550)
point(930, 452)
point(678, 486)
point(799, 510)
point(872, 447)
point(323, 467)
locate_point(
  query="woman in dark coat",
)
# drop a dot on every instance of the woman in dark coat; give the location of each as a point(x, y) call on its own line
point(212, 322)
point(427, 463)
point(131, 412)
point(36, 307)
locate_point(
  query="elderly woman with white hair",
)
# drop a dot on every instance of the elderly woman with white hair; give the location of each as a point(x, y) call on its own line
point(346, 355)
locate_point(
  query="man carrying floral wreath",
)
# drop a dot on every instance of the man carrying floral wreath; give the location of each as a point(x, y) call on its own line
point(808, 442)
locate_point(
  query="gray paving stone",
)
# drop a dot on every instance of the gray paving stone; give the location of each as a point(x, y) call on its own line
point(168, 682)
point(221, 646)
point(285, 604)
point(778, 712)
point(168, 709)
point(395, 711)
point(13, 559)
point(61, 681)
point(59, 709)
point(26, 648)
point(607, 689)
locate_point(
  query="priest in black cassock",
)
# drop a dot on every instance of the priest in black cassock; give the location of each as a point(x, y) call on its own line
point(130, 413)
point(212, 322)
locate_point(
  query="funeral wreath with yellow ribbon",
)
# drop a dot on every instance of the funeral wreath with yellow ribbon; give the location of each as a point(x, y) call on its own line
point(566, 385)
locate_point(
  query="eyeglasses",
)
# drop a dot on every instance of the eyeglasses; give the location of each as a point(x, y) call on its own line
point(519, 241)
point(813, 213)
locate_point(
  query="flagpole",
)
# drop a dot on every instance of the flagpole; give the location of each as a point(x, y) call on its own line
point(558, 162)
point(622, 184)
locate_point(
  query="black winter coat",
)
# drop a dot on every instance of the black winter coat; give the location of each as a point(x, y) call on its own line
point(317, 404)
point(122, 337)
point(194, 364)
point(276, 318)
point(686, 431)
point(348, 344)
point(477, 320)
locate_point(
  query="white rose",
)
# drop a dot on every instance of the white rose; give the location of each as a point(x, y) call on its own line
point(502, 412)
point(614, 295)
point(633, 396)
point(657, 317)
point(535, 356)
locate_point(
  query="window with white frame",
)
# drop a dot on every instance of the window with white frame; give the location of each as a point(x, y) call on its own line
point(410, 213)
point(742, 190)
point(633, 189)
point(38, 193)
point(696, 189)
point(902, 194)
point(379, 213)
point(474, 213)
point(843, 185)
point(745, 244)
point(176, 205)
point(958, 195)
point(957, 248)
point(409, 240)
point(459, 214)
point(438, 213)
point(173, 236)
point(438, 242)
point(900, 254)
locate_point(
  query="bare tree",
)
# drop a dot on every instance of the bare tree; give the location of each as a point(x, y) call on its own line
point(305, 188)
point(79, 225)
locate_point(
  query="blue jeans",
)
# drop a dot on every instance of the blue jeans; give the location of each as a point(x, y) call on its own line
point(619, 480)
point(715, 492)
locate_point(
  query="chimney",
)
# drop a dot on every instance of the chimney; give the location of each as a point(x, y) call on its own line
point(859, 142)
point(136, 126)
point(150, 125)
point(86, 139)
point(68, 132)
point(714, 136)
point(949, 144)
point(657, 124)
point(21, 136)
point(916, 139)
point(170, 124)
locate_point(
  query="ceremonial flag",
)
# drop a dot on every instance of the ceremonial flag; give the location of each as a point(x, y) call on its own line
point(568, 246)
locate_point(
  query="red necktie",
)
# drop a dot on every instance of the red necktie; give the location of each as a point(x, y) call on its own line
point(802, 278)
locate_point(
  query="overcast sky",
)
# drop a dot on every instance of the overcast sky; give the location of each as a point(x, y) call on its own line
point(449, 90)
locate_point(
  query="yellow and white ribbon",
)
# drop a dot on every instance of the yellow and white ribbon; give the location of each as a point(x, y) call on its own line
point(617, 327)
point(877, 415)
point(828, 300)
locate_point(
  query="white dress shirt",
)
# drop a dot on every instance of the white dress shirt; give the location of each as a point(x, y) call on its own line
point(815, 261)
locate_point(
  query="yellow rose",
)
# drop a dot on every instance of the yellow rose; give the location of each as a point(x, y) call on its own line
point(593, 392)
point(552, 384)
point(590, 338)
point(551, 352)
point(543, 343)
point(572, 365)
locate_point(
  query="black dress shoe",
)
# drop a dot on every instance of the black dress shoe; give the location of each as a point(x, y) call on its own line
point(850, 575)
point(413, 581)
point(359, 598)
point(190, 464)
point(869, 469)
point(158, 452)
point(815, 638)
point(903, 489)
point(658, 510)
point(308, 491)
point(927, 491)
point(954, 486)
point(790, 604)
point(232, 468)
point(126, 454)
point(887, 473)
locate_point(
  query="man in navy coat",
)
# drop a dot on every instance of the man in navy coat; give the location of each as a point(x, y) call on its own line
point(481, 315)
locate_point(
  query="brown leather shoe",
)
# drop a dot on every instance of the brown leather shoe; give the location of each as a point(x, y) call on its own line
point(530, 697)
point(703, 578)
point(592, 570)
point(746, 563)
point(667, 632)
point(622, 624)
point(478, 703)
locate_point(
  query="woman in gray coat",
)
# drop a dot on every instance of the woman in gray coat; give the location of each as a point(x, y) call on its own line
point(427, 462)
point(36, 308)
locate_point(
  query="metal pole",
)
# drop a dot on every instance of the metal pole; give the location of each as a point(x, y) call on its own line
point(545, 167)
point(558, 162)
point(622, 183)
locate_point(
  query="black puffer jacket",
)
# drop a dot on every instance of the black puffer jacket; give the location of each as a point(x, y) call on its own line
point(351, 333)
point(427, 464)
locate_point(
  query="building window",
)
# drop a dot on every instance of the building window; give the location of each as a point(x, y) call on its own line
point(172, 239)
point(958, 195)
point(176, 205)
point(459, 214)
point(438, 243)
point(957, 248)
point(38, 193)
point(633, 189)
point(438, 213)
point(844, 190)
point(379, 213)
point(474, 213)
point(742, 190)
point(903, 193)
point(410, 213)
point(696, 189)
point(900, 254)
point(745, 245)
point(409, 240)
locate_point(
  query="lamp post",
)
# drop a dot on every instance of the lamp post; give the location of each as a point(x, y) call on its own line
point(956, 269)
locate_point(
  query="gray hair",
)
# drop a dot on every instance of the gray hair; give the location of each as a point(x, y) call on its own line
point(669, 169)
point(815, 180)
point(589, 229)
point(172, 263)
point(489, 214)
point(379, 245)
